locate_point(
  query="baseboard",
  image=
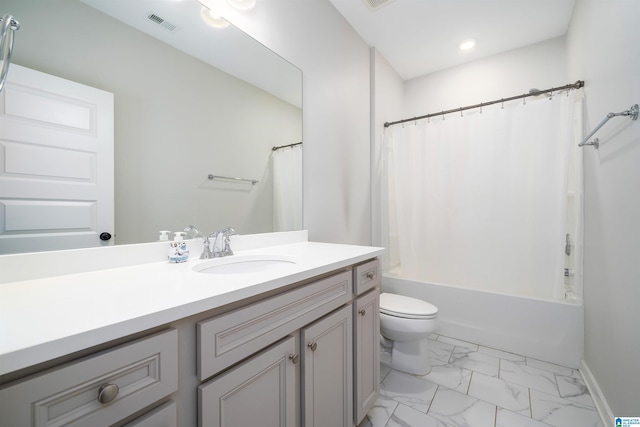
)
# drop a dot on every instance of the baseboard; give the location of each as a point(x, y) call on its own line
point(606, 415)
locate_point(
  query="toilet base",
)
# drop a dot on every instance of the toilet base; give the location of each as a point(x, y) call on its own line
point(411, 357)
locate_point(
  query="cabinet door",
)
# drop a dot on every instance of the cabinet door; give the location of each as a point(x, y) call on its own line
point(327, 366)
point(262, 391)
point(366, 353)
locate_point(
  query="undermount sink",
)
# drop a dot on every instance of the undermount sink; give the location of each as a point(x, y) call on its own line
point(245, 264)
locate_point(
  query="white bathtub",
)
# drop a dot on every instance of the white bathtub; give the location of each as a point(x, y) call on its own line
point(552, 331)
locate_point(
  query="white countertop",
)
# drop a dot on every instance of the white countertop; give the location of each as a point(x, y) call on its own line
point(45, 318)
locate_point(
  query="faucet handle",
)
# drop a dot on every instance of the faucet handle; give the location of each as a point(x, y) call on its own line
point(228, 231)
point(206, 248)
point(226, 249)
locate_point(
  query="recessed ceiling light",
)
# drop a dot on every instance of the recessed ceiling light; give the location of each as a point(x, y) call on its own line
point(467, 44)
point(213, 19)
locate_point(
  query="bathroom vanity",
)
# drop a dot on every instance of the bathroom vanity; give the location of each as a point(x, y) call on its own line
point(278, 334)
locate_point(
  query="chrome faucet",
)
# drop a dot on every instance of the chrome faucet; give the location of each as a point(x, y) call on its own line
point(193, 233)
point(221, 243)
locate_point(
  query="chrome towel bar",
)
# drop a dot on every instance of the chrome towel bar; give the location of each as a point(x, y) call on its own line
point(211, 177)
point(631, 112)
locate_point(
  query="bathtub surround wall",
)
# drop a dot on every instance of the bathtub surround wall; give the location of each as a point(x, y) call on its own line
point(602, 47)
point(541, 65)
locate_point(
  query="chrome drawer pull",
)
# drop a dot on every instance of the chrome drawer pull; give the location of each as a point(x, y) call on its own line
point(107, 393)
point(294, 358)
point(370, 275)
point(312, 346)
point(362, 312)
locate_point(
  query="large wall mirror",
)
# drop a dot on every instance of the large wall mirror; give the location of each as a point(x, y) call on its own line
point(189, 101)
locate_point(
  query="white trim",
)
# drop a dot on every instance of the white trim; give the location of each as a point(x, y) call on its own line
point(606, 415)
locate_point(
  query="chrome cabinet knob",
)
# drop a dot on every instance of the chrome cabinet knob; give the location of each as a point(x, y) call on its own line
point(370, 275)
point(107, 393)
point(362, 312)
point(294, 358)
point(312, 346)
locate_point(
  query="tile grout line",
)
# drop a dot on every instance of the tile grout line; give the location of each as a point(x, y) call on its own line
point(469, 386)
point(432, 399)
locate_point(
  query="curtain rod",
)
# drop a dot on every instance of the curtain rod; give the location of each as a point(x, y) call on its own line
point(286, 146)
point(533, 92)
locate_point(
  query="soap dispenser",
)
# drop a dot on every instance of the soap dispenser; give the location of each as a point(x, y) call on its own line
point(178, 251)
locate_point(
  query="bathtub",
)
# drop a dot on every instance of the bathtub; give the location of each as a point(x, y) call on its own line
point(552, 331)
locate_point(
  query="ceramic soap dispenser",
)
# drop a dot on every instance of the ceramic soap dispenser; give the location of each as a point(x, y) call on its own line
point(178, 251)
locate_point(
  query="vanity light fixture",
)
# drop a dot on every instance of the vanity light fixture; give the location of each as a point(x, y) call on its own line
point(467, 44)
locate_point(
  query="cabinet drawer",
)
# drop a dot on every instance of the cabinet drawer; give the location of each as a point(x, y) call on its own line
point(366, 276)
point(143, 371)
point(233, 336)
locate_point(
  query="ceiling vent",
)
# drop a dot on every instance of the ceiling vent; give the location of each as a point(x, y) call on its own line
point(374, 5)
point(161, 21)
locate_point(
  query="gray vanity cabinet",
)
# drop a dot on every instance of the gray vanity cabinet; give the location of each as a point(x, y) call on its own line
point(304, 355)
point(327, 366)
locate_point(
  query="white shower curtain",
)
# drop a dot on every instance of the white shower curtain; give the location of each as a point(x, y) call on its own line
point(479, 201)
point(287, 188)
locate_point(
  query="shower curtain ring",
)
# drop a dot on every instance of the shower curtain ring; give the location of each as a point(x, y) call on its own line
point(481, 108)
point(502, 101)
point(442, 115)
point(461, 112)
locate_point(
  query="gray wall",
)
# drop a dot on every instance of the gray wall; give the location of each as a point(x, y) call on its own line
point(335, 61)
point(603, 50)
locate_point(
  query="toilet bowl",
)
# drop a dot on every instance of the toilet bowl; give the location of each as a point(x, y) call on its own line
point(407, 322)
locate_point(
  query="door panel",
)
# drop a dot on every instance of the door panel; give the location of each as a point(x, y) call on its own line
point(56, 163)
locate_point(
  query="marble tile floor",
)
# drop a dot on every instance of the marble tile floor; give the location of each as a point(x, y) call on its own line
point(476, 386)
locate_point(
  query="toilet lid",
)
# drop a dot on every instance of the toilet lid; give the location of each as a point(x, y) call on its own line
point(407, 307)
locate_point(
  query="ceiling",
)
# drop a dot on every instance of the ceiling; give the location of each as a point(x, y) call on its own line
point(419, 37)
point(183, 28)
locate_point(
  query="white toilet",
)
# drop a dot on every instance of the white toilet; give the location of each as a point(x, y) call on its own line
point(408, 322)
